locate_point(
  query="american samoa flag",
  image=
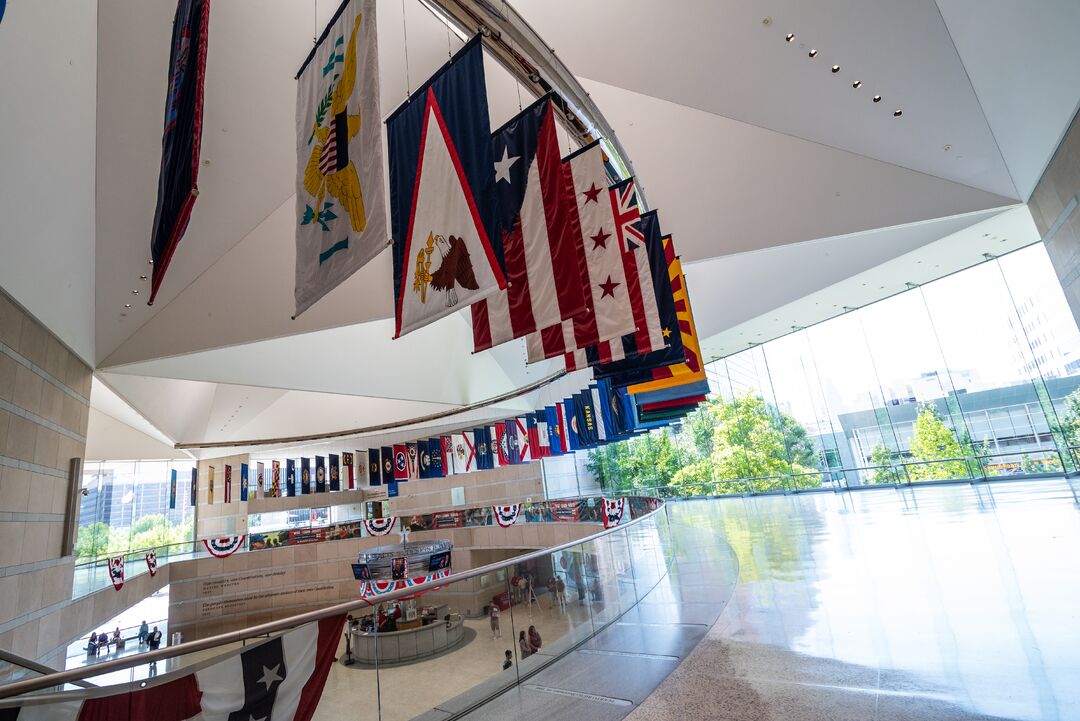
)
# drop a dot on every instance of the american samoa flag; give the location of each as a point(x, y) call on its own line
point(281, 679)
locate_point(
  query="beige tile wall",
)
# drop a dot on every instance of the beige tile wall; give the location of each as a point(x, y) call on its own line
point(1054, 206)
point(44, 409)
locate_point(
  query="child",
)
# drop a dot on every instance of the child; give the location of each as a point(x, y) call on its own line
point(508, 659)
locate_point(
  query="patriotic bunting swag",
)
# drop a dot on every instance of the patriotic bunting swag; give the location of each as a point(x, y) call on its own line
point(613, 509)
point(368, 589)
point(116, 572)
point(379, 526)
point(151, 562)
point(507, 516)
point(223, 547)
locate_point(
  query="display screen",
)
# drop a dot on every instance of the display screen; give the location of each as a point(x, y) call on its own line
point(361, 572)
point(399, 568)
point(439, 561)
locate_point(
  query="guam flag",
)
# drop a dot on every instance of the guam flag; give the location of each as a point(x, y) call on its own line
point(447, 253)
point(182, 137)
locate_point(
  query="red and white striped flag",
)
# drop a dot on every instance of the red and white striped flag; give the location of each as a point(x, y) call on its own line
point(281, 679)
point(541, 239)
point(609, 314)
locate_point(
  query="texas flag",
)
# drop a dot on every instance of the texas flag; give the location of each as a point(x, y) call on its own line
point(542, 243)
point(447, 252)
point(281, 678)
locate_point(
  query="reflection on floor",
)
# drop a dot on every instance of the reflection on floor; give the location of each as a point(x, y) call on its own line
point(949, 602)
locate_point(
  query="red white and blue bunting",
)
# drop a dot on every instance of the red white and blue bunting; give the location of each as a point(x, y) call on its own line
point(379, 526)
point(507, 516)
point(225, 546)
point(116, 572)
point(369, 589)
point(613, 509)
point(151, 562)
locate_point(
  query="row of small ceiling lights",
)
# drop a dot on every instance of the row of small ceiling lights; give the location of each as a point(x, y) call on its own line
point(134, 291)
point(790, 37)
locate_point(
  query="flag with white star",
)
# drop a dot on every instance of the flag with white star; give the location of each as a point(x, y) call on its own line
point(609, 313)
point(280, 679)
point(541, 239)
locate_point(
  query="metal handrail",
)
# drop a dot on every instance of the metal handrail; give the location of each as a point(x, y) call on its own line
point(120, 664)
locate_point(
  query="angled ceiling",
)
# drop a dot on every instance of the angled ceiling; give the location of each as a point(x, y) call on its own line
point(783, 185)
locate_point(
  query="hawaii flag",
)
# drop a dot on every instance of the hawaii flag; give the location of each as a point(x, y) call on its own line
point(609, 312)
point(540, 233)
point(281, 678)
point(340, 214)
point(442, 195)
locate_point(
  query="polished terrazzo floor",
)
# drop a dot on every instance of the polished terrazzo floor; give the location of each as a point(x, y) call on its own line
point(938, 602)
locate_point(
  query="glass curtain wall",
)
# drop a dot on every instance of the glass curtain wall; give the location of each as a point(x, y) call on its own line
point(973, 376)
point(125, 507)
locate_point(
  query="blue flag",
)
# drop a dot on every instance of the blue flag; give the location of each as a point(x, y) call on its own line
point(485, 458)
point(447, 250)
point(243, 481)
point(436, 453)
point(172, 475)
point(555, 439)
point(374, 467)
point(320, 474)
point(305, 476)
point(513, 446)
point(194, 486)
point(290, 477)
point(181, 139)
point(572, 442)
point(387, 465)
point(423, 458)
point(335, 472)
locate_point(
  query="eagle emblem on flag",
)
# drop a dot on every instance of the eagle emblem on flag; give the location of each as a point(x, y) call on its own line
point(613, 509)
point(116, 572)
point(329, 169)
point(455, 268)
point(151, 562)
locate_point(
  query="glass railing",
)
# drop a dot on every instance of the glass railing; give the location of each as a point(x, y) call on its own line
point(437, 659)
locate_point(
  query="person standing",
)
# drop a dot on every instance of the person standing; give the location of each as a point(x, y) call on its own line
point(523, 646)
point(560, 588)
point(154, 639)
point(144, 631)
point(535, 642)
point(493, 619)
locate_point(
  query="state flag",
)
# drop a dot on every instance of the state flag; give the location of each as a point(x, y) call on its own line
point(243, 481)
point(423, 453)
point(414, 461)
point(260, 480)
point(502, 449)
point(387, 455)
point(347, 463)
point(228, 483)
point(447, 250)
point(570, 428)
point(539, 230)
point(374, 467)
point(172, 489)
point(598, 409)
point(290, 477)
point(543, 443)
point(194, 486)
point(335, 472)
point(493, 442)
point(464, 452)
point(435, 452)
point(447, 446)
point(281, 678)
point(484, 457)
point(320, 474)
point(305, 476)
point(275, 481)
point(526, 449)
point(556, 434)
point(609, 313)
point(401, 462)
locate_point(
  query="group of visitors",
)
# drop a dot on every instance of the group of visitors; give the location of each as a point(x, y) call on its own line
point(528, 644)
point(99, 641)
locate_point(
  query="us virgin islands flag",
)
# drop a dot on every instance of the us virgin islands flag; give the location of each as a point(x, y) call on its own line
point(447, 253)
point(340, 214)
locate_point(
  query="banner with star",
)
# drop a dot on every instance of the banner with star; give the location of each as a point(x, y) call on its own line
point(340, 206)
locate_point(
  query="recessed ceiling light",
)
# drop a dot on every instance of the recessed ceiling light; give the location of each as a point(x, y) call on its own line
point(127, 305)
point(812, 53)
point(877, 98)
point(142, 277)
point(857, 84)
point(790, 37)
point(836, 68)
point(135, 292)
point(897, 113)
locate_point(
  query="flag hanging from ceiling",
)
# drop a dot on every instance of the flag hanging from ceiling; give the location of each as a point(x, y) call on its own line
point(305, 476)
point(178, 179)
point(401, 463)
point(423, 458)
point(290, 477)
point(484, 452)
point(526, 449)
point(243, 481)
point(335, 472)
point(347, 464)
point(641, 284)
point(638, 366)
point(340, 209)
point(691, 369)
point(539, 230)
point(387, 455)
point(320, 474)
point(228, 483)
point(194, 486)
point(260, 480)
point(210, 486)
point(172, 489)
point(275, 479)
point(447, 252)
point(414, 461)
point(374, 467)
point(447, 444)
point(464, 452)
point(435, 450)
point(609, 313)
